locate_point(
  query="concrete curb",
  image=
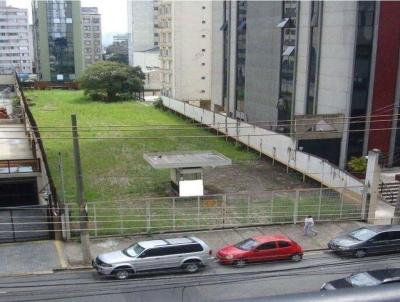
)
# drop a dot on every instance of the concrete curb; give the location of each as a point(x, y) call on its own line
point(28, 274)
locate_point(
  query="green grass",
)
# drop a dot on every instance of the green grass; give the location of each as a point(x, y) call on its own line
point(114, 168)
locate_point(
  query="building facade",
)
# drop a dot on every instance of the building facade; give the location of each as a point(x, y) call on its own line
point(58, 39)
point(142, 26)
point(185, 49)
point(91, 35)
point(15, 48)
point(324, 73)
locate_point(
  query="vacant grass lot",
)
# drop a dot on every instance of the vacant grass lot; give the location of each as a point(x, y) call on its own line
point(114, 168)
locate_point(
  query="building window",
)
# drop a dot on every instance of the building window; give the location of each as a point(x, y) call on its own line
point(203, 50)
point(95, 20)
point(203, 7)
point(288, 35)
point(86, 35)
point(86, 20)
point(203, 22)
point(203, 36)
point(361, 77)
point(95, 27)
point(96, 36)
point(316, 10)
point(203, 64)
point(241, 55)
point(203, 78)
point(203, 91)
point(68, 20)
point(87, 42)
point(86, 27)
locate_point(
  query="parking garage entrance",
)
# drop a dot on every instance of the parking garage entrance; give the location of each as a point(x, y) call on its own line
point(22, 218)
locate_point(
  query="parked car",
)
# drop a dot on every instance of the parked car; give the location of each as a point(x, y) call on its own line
point(370, 278)
point(376, 239)
point(260, 248)
point(188, 253)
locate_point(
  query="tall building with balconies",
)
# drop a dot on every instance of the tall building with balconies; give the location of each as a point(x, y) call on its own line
point(14, 40)
point(57, 34)
point(185, 49)
point(91, 35)
point(326, 73)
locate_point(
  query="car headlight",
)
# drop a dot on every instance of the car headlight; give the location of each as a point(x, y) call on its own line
point(327, 286)
point(229, 257)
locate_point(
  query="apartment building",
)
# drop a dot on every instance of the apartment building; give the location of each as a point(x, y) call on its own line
point(315, 71)
point(142, 26)
point(91, 35)
point(58, 39)
point(14, 40)
point(185, 49)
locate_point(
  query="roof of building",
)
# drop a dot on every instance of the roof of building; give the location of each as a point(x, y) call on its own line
point(186, 159)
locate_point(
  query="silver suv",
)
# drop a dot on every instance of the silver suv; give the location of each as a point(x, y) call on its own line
point(188, 253)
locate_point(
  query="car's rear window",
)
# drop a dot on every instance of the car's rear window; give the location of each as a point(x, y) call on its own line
point(362, 234)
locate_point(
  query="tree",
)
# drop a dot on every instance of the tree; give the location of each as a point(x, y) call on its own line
point(111, 81)
point(118, 57)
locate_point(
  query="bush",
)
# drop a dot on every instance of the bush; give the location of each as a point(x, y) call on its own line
point(159, 105)
point(111, 81)
point(358, 164)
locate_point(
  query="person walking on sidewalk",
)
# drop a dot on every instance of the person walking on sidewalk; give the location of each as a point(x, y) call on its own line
point(309, 226)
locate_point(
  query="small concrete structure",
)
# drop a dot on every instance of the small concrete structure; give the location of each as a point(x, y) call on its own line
point(187, 168)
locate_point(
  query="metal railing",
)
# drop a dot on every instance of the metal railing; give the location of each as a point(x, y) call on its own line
point(20, 166)
point(218, 211)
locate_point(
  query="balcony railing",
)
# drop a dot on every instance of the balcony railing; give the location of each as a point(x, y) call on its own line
point(19, 166)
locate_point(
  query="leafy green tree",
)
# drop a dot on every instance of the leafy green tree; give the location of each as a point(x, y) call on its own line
point(111, 81)
point(118, 57)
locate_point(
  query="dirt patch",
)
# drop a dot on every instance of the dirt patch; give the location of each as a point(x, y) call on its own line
point(252, 176)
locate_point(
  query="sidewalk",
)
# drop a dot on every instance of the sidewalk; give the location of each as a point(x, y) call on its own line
point(36, 257)
point(217, 238)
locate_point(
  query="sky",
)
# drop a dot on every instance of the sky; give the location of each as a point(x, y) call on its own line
point(113, 14)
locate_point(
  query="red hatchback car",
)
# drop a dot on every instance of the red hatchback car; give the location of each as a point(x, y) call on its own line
point(260, 248)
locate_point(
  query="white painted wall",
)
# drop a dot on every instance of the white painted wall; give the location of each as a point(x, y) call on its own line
point(140, 26)
point(302, 58)
point(337, 55)
point(217, 58)
point(187, 45)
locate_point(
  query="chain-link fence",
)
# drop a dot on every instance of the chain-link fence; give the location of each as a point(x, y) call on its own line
point(219, 211)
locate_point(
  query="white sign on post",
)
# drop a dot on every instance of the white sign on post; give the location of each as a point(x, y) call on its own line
point(191, 188)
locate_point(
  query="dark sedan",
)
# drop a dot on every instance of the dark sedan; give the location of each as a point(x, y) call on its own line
point(370, 278)
point(376, 239)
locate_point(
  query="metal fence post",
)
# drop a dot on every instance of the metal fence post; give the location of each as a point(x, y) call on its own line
point(148, 216)
point(341, 202)
point(95, 219)
point(198, 211)
point(248, 208)
point(173, 214)
point(319, 203)
point(296, 207)
point(223, 210)
point(272, 205)
point(121, 223)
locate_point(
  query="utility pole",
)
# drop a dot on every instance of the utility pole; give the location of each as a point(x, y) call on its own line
point(396, 215)
point(83, 219)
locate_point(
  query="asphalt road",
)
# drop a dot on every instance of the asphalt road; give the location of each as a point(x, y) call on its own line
point(215, 283)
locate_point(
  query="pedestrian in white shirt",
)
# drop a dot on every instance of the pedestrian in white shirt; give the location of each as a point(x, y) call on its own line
point(309, 226)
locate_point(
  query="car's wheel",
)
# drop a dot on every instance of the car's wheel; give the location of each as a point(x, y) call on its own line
point(296, 257)
point(191, 267)
point(122, 273)
point(239, 263)
point(360, 253)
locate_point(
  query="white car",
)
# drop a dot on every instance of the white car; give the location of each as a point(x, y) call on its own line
point(188, 253)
